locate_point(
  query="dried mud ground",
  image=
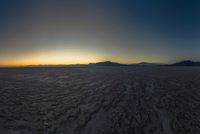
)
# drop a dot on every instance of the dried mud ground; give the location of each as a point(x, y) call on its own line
point(100, 100)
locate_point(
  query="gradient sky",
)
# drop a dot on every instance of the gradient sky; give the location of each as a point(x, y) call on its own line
point(83, 31)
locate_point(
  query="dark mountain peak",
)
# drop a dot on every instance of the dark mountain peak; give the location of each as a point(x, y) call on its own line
point(143, 63)
point(148, 64)
point(187, 63)
point(106, 63)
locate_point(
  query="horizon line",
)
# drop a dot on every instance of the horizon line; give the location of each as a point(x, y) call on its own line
point(57, 65)
point(73, 64)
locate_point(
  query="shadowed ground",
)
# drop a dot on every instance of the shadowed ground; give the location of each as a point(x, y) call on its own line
point(100, 100)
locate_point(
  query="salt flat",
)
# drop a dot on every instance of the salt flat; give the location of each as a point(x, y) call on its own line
point(100, 100)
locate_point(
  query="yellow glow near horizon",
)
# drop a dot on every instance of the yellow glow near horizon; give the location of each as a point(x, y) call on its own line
point(70, 56)
point(63, 58)
point(51, 58)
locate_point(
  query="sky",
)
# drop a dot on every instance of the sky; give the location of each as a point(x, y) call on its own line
point(34, 32)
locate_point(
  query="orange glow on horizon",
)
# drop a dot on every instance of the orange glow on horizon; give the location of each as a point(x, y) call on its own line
point(64, 57)
point(51, 58)
point(27, 62)
point(61, 61)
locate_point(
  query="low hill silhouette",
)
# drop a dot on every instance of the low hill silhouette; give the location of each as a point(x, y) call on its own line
point(148, 64)
point(106, 63)
point(186, 63)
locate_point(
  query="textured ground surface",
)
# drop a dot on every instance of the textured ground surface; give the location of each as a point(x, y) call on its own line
point(100, 100)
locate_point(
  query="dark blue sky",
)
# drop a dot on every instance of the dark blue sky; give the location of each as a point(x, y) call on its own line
point(82, 31)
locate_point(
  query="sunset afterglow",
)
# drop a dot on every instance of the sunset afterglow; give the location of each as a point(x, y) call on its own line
point(68, 32)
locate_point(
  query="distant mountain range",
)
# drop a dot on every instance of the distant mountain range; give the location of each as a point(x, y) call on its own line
point(109, 63)
point(186, 63)
point(181, 63)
